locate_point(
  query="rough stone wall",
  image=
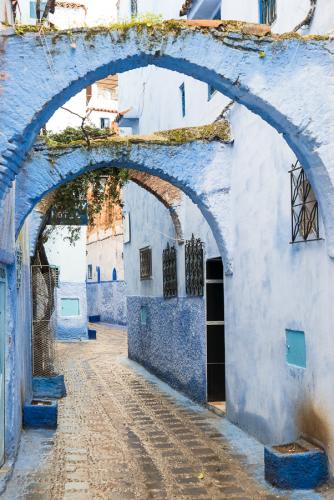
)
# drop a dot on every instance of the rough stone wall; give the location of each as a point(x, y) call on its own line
point(108, 300)
point(171, 344)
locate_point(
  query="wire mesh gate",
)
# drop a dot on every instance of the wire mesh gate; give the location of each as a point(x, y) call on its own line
point(44, 280)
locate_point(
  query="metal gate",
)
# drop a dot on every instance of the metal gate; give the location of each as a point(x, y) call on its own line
point(44, 280)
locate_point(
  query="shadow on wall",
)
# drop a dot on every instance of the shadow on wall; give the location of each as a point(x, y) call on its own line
point(313, 423)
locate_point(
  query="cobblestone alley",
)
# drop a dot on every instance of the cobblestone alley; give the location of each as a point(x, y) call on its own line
point(122, 436)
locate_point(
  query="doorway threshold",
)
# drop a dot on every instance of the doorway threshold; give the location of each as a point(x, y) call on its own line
point(218, 407)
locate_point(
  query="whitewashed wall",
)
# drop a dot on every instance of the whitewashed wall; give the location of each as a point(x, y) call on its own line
point(70, 258)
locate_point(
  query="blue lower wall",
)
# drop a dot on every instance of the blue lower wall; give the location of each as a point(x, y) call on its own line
point(172, 344)
point(72, 327)
point(107, 299)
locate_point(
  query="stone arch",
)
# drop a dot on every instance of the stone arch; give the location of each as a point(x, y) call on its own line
point(269, 74)
point(192, 167)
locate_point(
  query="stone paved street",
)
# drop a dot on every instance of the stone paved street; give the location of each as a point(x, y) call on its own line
point(120, 436)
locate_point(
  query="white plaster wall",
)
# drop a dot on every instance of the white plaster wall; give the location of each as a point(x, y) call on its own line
point(151, 225)
point(105, 250)
point(70, 258)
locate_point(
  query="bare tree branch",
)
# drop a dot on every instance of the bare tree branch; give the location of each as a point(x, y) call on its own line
point(309, 18)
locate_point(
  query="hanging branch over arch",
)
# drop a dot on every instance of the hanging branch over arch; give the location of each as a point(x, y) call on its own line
point(309, 18)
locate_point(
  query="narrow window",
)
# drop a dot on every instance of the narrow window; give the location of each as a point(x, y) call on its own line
point(104, 122)
point(304, 207)
point(169, 271)
point(183, 99)
point(211, 92)
point(134, 8)
point(114, 274)
point(194, 267)
point(70, 307)
point(145, 263)
point(268, 11)
point(90, 271)
point(89, 94)
point(33, 13)
point(98, 272)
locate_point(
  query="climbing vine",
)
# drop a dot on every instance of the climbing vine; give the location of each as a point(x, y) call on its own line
point(89, 192)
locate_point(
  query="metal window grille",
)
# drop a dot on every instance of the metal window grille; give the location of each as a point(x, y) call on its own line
point(19, 266)
point(44, 279)
point(169, 271)
point(90, 272)
point(194, 255)
point(145, 263)
point(304, 207)
point(268, 11)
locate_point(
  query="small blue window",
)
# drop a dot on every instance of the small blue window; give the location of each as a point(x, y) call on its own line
point(268, 11)
point(211, 91)
point(98, 273)
point(33, 9)
point(143, 315)
point(183, 99)
point(70, 307)
point(114, 275)
point(295, 348)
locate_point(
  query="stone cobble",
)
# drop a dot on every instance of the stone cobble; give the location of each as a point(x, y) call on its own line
point(120, 437)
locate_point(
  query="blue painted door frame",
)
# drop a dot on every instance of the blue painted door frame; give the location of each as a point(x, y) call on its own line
point(2, 361)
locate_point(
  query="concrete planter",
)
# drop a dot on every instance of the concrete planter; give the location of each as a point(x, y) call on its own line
point(49, 387)
point(298, 465)
point(92, 334)
point(40, 414)
point(94, 319)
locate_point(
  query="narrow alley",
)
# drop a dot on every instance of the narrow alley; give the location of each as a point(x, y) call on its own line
point(120, 436)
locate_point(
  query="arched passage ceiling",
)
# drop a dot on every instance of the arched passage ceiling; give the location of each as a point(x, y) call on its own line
point(273, 76)
point(190, 159)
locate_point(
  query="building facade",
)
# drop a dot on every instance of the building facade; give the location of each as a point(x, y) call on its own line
point(269, 312)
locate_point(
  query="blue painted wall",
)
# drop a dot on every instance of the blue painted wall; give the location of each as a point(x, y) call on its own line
point(108, 300)
point(72, 327)
point(171, 344)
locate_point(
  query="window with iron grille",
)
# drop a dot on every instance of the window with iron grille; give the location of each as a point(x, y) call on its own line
point(90, 272)
point(145, 263)
point(268, 11)
point(304, 207)
point(169, 272)
point(194, 267)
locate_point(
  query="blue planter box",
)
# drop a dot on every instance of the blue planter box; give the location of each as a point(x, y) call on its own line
point(49, 387)
point(92, 334)
point(306, 468)
point(40, 414)
point(94, 319)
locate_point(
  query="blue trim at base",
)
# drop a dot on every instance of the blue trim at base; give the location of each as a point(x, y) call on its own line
point(49, 387)
point(94, 319)
point(40, 416)
point(92, 334)
point(300, 471)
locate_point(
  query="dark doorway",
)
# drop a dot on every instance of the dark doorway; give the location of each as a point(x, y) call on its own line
point(215, 330)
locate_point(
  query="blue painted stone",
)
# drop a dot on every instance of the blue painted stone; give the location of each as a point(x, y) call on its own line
point(49, 387)
point(42, 414)
point(92, 334)
point(305, 470)
point(94, 319)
